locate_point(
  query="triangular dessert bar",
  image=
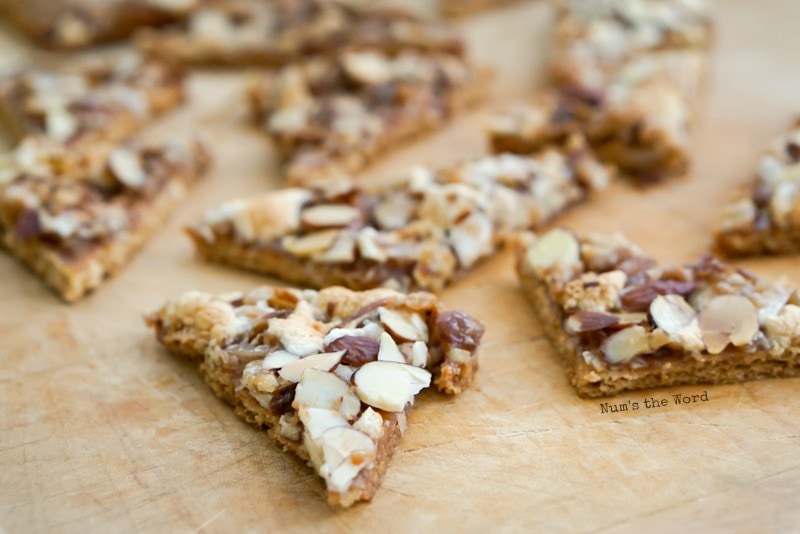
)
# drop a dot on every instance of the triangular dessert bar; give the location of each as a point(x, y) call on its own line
point(332, 375)
point(422, 233)
point(75, 213)
point(765, 217)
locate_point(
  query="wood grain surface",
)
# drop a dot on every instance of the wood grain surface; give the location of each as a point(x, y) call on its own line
point(102, 431)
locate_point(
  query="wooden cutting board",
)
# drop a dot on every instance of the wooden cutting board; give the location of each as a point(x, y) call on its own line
point(101, 430)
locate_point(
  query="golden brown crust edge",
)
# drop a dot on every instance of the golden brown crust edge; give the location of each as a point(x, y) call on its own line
point(74, 281)
point(728, 367)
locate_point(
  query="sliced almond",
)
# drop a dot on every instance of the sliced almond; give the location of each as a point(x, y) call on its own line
point(671, 313)
point(394, 211)
point(60, 124)
point(320, 389)
point(589, 321)
point(728, 319)
point(419, 354)
point(406, 327)
point(370, 423)
point(389, 352)
point(472, 238)
point(626, 344)
point(325, 361)
point(556, 247)
point(343, 250)
point(369, 247)
point(127, 168)
point(329, 215)
point(318, 420)
point(638, 297)
point(630, 318)
point(346, 452)
point(278, 359)
point(309, 244)
point(389, 385)
point(367, 67)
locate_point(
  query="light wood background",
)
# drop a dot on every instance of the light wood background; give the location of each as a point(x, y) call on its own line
point(101, 430)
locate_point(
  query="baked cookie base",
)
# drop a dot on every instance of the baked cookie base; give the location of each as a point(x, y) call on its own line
point(72, 280)
point(222, 369)
point(675, 369)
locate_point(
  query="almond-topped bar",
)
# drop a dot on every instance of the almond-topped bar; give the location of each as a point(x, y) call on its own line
point(243, 32)
point(112, 98)
point(69, 24)
point(638, 121)
point(75, 213)
point(621, 322)
point(765, 216)
point(627, 74)
point(420, 234)
point(331, 375)
point(334, 116)
point(639, 124)
point(594, 39)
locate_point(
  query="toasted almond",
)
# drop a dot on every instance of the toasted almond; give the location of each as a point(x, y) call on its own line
point(406, 327)
point(556, 247)
point(639, 297)
point(728, 319)
point(368, 246)
point(325, 361)
point(310, 243)
point(472, 238)
point(394, 212)
point(343, 250)
point(389, 352)
point(329, 215)
point(589, 321)
point(370, 423)
point(626, 344)
point(419, 354)
point(346, 452)
point(671, 313)
point(630, 318)
point(318, 420)
point(278, 359)
point(389, 385)
point(321, 389)
point(367, 67)
point(127, 168)
point(60, 124)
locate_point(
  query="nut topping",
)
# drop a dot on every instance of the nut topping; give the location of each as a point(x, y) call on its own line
point(557, 247)
point(320, 389)
point(409, 328)
point(389, 385)
point(310, 243)
point(278, 359)
point(329, 215)
point(346, 452)
point(728, 319)
point(293, 371)
point(589, 321)
point(624, 345)
point(676, 317)
point(359, 349)
point(328, 407)
point(318, 420)
point(389, 352)
point(638, 298)
point(127, 168)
